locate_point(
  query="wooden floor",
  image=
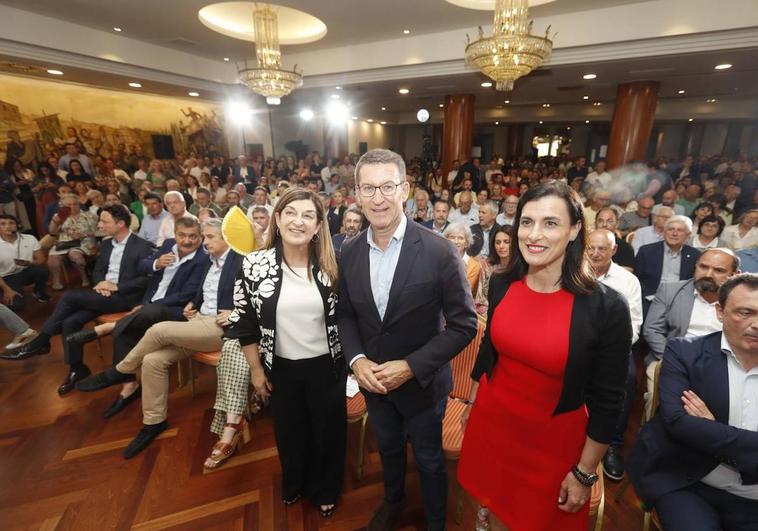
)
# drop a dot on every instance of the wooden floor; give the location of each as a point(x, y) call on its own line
point(61, 464)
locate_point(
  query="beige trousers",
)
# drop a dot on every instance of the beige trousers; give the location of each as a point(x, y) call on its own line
point(163, 345)
point(650, 377)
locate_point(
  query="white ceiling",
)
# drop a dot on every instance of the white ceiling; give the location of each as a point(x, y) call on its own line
point(174, 23)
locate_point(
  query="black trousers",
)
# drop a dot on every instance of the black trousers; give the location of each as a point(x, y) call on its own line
point(703, 508)
point(308, 406)
point(77, 308)
point(130, 329)
point(629, 396)
point(36, 275)
point(424, 431)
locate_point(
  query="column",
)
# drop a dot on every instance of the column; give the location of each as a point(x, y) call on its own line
point(633, 117)
point(457, 131)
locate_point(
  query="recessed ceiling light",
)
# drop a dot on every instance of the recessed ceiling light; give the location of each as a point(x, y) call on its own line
point(335, 96)
point(586, 121)
point(724, 66)
point(306, 115)
point(337, 88)
point(497, 123)
point(403, 91)
point(370, 120)
point(442, 104)
point(194, 94)
point(384, 108)
point(383, 123)
point(117, 29)
point(135, 85)
point(597, 104)
point(354, 117)
point(540, 122)
point(406, 32)
point(589, 76)
point(585, 97)
point(546, 105)
point(226, 59)
point(507, 101)
point(486, 84)
point(568, 128)
point(689, 119)
point(680, 92)
point(55, 72)
point(710, 100)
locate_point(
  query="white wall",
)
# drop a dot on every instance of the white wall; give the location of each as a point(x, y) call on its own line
point(374, 134)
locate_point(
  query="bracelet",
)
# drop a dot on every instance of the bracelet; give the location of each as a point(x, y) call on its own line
point(585, 479)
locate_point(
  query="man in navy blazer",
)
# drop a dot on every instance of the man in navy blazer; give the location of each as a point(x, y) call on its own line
point(169, 342)
point(696, 462)
point(667, 261)
point(244, 172)
point(405, 310)
point(439, 221)
point(118, 286)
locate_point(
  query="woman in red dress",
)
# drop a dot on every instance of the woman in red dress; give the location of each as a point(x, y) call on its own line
point(550, 373)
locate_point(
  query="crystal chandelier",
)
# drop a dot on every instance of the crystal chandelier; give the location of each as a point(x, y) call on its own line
point(269, 79)
point(512, 51)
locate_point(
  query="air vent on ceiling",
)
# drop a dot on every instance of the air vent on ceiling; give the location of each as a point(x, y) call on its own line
point(181, 43)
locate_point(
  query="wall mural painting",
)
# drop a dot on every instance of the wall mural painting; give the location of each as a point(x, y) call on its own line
point(38, 118)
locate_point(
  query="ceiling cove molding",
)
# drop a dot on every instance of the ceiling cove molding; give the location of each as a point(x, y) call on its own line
point(685, 44)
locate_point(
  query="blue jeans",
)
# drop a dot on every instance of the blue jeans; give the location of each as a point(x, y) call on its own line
point(424, 431)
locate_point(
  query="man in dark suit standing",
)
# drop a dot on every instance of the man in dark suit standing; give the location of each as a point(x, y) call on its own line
point(244, 172)
point(405, 311)
point(118, 286)
point(696, 462)
point(667, 261)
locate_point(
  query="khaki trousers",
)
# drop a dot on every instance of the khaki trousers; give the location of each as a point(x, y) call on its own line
point(163, 345)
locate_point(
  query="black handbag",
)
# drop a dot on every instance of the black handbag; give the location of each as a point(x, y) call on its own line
point(70, 244)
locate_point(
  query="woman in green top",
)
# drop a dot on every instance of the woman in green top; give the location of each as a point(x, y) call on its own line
point(157, 177)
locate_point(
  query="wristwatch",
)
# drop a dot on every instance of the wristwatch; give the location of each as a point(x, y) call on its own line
point(585, 479)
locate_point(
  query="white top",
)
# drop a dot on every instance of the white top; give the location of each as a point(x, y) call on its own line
point(743, 414)
point(697, 244)
point(22, 249)
point(703, 320)
point(627, 284)
point(731, 236)
point(210, 285)
point(168, 273)
point(502, 220)
point(114, 263)
point(166, 231)
point(300, 319)
point(469, 218)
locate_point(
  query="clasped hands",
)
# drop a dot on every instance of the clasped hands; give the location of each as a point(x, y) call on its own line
point(381, 378)
point(105, 288)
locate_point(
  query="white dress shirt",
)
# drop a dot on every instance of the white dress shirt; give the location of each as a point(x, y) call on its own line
point(731, 236)
point(503, 221)
point(210, 285)
point(166, 230)
point(627, 284)
point(743, 414)
point(469, 218)
point(114, 262)
point(703, 320)
point(169, 271)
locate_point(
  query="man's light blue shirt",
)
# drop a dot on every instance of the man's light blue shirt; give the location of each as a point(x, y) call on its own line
point(151, 226)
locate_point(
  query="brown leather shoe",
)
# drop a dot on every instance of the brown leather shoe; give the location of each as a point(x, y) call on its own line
point(385, 516)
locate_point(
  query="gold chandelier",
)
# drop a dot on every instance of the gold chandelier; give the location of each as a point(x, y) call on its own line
point(269, 79)
point(512, 51)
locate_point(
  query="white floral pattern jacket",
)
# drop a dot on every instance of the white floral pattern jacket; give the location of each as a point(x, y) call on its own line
point(256, 294)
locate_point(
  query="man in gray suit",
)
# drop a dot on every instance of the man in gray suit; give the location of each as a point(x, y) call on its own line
point(687, 307)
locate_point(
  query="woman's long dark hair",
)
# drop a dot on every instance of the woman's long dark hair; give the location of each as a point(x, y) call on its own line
point(493, 259)
point(576, 274)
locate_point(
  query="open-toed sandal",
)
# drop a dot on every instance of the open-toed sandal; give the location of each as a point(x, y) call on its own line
point(223, 451)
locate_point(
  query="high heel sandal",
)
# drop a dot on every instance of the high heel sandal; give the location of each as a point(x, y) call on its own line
point(223, 451)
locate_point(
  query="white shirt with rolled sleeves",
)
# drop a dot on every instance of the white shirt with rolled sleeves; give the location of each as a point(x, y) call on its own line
point(627, 284)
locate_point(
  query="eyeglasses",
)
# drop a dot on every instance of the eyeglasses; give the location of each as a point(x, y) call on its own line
point(387, 189)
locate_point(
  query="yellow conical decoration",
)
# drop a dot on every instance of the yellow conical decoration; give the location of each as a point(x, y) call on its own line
point(238, 232)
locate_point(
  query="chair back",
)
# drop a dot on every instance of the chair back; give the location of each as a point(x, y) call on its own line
point(464, 362)
point(655, 400)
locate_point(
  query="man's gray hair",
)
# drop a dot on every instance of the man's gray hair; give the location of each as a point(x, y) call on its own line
point(173, 193)
point(458, 227)
point(214, 223)
point(187, 222)
point(491, 205)
point(260, 209)
point(679, 219)
point(354, 209)
point(380, 156)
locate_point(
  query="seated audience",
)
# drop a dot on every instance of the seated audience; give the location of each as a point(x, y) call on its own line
point(418, 208)
point(667, 261)
point(496, 262)
point(668, 199)
point(203, 200)
point(483, 231)
point(690, 199)
point(153, 218)
point(743, 235)
point(600, 200)
point(466, 212)
point(702, 211)
point(335, 212)
point(508, 215)
point(21, 265)
point(607, 218)
point(696, 461)
point(170, 341)
point(708, 232)
point(600, 250)
point(631, 221)
point(460, 235)
point(652, 233)
point(75, 231)
point(749, 259)
point(352, 223)
point(439, 221)
point(177, 208)
point(118, 287)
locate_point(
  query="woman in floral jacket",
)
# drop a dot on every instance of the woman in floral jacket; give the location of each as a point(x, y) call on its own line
point(285, 321)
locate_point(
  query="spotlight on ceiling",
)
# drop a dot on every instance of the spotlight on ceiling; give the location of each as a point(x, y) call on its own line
point(546, 105)
point(239, 112)
point(724, 66)
point(597, 104)
point(117, 29)
point(226, 59)
point(442, 105)
point(585, 97)
point(586, 121)
point(384, 108)
point(306, 115)
point(422, 115)
point(354, 118)
point(55, 72)
point(497, 123)
point(273, 100)
point(589, 76)
point(680, 92)
point(486, 84)
point(541, 122)
point(193, 94)
point(689, 119)
point(507, 101)
point(406, 32)
point(711, 100)
point(337, 113)
point(370, 120)
point(403, 91)
point(383, 123)
point(135, 85)
point(337, 88)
